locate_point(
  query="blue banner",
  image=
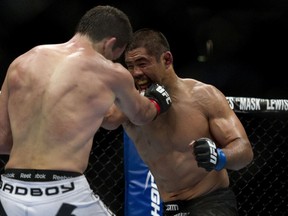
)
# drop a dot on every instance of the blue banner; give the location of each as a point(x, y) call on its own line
point(141, 193)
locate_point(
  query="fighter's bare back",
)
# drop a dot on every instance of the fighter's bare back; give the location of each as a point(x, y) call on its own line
point(65, 105)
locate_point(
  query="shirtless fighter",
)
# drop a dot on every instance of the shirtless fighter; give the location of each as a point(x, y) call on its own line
point(52, 102)
point(189, 148)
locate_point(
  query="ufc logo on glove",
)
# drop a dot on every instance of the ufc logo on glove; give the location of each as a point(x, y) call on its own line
point(213, 153)
point(162, 91)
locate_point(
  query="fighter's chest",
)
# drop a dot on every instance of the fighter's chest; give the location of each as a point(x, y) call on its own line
point(174, 129)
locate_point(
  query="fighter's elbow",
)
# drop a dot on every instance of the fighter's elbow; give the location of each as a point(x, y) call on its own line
point(5, 149)
point(247, 159)
point(112, 122)
point(110, 125)
point(250, 156)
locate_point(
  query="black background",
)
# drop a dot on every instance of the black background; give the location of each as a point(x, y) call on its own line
point(249, 37)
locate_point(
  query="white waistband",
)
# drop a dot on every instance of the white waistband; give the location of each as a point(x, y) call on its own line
point(50, 188)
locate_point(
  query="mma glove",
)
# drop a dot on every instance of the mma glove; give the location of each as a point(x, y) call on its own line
point(159, 97)
point(208, 156)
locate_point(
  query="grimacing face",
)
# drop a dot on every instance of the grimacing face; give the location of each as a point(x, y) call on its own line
point(142, 66)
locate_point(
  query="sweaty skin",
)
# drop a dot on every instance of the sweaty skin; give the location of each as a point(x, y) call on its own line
point(165, 145)
point(55, 98)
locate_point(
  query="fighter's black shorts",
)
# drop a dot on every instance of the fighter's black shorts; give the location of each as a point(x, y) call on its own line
point(221, 202)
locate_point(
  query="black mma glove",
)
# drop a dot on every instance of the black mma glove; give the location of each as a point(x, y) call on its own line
point(159, 96)
point(208, 156)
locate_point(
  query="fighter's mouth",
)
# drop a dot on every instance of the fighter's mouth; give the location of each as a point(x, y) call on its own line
point(142, 84)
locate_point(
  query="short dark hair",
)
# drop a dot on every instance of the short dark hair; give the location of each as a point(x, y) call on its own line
point(106, 21)
point(152, 40)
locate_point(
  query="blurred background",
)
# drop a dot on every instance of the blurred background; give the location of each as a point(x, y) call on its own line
point(238, 46)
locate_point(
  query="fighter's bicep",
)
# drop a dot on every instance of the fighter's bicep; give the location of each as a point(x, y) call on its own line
point(126, 95)
point(223, 122)
point(225, 125)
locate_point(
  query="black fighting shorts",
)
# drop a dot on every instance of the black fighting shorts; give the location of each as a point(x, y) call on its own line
point(221, 202)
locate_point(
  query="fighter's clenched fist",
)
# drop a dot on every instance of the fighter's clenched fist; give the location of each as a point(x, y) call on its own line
point(208, 156)
point(159, 96)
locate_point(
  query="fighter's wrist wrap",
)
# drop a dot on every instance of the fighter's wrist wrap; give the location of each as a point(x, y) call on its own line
point(221, 160)
point(157, 107)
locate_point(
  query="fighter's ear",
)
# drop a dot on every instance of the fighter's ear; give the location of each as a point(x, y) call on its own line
point(107, 47)
point(168, 58)
point(109, 43)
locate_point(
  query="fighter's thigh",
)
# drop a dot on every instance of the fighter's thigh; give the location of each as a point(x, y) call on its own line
point(87, 204)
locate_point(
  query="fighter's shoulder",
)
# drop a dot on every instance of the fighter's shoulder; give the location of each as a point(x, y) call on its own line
point(119, 71)
point(19, 61)
point(115, 73)
point(36, 53)
point(199, 86)
point(204, 90)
